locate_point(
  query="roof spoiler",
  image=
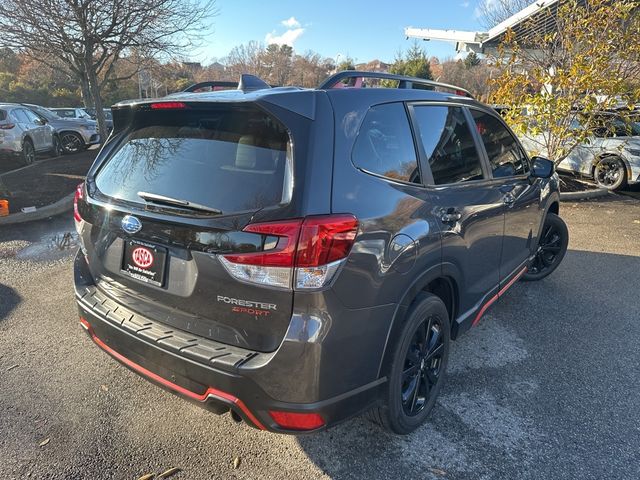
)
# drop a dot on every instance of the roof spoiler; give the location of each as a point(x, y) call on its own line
point(247, 83)
point(403, 82)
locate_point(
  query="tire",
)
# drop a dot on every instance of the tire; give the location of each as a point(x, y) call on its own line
point(552, 247)
point(56, 150)
point(610, 173)
point(405, 408)
point(28, 152)
point(72, 142)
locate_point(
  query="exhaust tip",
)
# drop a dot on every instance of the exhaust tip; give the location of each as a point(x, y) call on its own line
point(236, 418)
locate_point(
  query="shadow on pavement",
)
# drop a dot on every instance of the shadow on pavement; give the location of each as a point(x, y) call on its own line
point(9, 299)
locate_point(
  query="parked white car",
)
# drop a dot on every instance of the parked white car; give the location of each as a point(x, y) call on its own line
point(24, 134)
point(611, 156)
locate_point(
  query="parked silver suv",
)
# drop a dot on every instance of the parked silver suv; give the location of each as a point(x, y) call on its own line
point(76, 134)
point(24, 134)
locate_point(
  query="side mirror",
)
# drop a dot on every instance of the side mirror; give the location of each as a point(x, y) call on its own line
point(40, 121)
point(541, 167)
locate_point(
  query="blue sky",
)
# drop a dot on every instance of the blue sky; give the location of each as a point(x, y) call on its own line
point(362, 29)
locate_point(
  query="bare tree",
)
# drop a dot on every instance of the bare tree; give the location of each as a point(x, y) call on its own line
point(493, 12)
point(89, 37)
point(278, 61)
point(310, 69)
point(247, 58)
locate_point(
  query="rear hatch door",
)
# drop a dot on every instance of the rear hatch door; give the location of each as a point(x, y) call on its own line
point(170, 194)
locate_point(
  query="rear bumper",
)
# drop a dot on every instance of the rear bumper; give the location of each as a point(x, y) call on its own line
point(10, 146)
point(218, 377)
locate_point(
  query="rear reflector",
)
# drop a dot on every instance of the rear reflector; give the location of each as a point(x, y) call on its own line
point(309, 250)
point(168, 105)
point(297, 421)
point(79, 195)
point(7, 126)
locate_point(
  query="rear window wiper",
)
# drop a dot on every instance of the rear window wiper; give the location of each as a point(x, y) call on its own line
point(186, 204)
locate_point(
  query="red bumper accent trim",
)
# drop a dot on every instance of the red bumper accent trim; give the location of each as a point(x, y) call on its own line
point(163, 381)
point(497, 296)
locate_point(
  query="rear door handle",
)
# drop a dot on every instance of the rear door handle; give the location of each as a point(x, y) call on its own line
point(450, 215)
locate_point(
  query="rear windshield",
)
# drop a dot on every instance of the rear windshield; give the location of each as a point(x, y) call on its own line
point(231, 159)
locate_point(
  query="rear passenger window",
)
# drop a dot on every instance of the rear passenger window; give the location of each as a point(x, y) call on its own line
point(505, 155)
point(448, 144)
point(385, 145)
point(20, 115)
point(32, 117)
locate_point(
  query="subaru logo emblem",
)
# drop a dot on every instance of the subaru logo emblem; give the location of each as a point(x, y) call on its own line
point(131, 224)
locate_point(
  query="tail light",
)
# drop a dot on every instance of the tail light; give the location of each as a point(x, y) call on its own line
point(297, 421)
point(304, 254)
point(168, 106)
point(79, 195)
point(7, 126)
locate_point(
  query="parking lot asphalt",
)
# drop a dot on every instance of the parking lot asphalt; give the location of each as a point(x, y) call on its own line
point(547, 386)
point(44, 181)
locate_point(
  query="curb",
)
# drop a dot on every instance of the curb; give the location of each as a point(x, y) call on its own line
point(61, 206)
point(598, 192)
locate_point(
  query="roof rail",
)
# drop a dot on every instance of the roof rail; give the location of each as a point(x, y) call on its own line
point(403, 81)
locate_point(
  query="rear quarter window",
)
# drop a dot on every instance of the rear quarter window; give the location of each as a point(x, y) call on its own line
point(384, 145)
point(232, 159)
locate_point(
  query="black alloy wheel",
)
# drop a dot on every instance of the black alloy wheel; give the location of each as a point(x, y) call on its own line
point(422, 366)
point(552, 246)
point(418, 366)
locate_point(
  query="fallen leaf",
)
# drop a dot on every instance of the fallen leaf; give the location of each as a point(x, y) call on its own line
point(236, 462)
point(44, 442)
point(437, 471)
point(104, 387)
point(12, 367)
point(636, 221)
point(148, 476)
point(169, 473)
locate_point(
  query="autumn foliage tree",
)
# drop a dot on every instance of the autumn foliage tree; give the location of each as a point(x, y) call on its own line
point(87, 39)
point(413, 63)
point(588, 63)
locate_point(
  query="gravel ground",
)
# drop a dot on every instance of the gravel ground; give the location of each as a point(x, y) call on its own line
point(548, 386)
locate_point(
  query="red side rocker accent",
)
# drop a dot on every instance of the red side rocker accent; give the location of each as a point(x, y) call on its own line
point(163, 381)
point(497, 296)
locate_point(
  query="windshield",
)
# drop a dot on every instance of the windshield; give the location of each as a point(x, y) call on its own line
point(231, 159)
point(607, 126)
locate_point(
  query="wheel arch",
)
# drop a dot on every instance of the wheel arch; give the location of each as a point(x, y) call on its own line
point(443, 282)
point(64, 132)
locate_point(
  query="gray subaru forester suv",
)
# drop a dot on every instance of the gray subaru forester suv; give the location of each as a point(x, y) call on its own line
point(298, 256)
